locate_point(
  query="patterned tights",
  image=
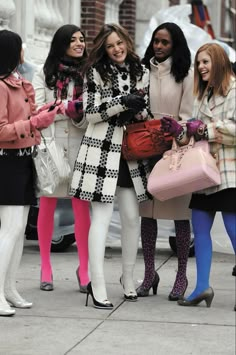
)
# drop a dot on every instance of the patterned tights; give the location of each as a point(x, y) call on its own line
point(149, 237)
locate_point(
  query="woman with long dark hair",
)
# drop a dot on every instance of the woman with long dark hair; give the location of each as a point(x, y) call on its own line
point(61, 78)
point(20, 126)
point(114, 80)
point(171, 85)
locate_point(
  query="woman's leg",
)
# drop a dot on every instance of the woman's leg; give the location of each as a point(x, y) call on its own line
point(183, 233)
point(9, 235)
point(129, 215)
point(148, 238)
point(11, 292)
point(230, 226)
point(45, 226)
point(101, 217)
point(82, 224)
point(202, 223)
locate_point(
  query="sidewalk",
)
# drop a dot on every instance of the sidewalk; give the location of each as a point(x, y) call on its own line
point(60, 324)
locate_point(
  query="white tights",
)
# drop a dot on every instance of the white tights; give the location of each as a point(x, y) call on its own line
point(130, 223)
point(13, 222)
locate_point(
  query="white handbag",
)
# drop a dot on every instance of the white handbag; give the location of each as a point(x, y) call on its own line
point(47, 178)
point(58, 154)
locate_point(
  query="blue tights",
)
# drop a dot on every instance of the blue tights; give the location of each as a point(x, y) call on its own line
point(202, 222)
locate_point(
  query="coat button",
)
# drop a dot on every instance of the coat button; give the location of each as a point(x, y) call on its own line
point(32, 135)
point(26, 100)
point(66, 130)
point(22, 135)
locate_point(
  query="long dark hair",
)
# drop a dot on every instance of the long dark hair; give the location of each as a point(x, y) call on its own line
point(99, 59)
point(10, 49)
point(60, 43)
point(181, 56)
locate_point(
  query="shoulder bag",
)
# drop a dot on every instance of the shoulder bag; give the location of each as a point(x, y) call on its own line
point(143, 140)
point(183, 170)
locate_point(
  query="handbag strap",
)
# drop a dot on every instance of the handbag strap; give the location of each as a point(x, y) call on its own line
point(177, 153)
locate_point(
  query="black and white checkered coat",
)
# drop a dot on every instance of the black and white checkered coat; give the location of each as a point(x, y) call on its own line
point(97, 165)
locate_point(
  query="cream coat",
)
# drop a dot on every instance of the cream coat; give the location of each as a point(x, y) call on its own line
point(67, 134)
point(174, 99)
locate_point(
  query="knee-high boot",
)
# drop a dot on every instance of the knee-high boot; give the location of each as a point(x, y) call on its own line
point(11, 293)
point(183, 233)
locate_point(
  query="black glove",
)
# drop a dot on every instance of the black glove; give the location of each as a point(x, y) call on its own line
point(125, 118)
point(134, 102)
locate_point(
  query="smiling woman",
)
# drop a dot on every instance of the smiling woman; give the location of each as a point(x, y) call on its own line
point(113, 78)
point(61, 78)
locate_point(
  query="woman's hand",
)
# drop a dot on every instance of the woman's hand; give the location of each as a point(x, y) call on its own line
point(196, 128)
point(171, 126)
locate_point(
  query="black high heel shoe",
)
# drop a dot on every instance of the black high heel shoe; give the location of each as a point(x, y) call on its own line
point(176, 297)
point(144, 292)
point(82, 288)
point(206, 296)
point(100, 305)
point(132, 296)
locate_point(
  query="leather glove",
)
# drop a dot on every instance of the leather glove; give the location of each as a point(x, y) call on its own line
point(43, 119)
point(195, 128)
point(134, 102)
point(169, 125)
point(124, 118)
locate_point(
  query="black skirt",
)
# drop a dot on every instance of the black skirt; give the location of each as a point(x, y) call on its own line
point(124, 178)
point(17, 180)
point(222, 201)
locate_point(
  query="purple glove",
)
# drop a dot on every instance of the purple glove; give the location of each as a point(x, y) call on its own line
point(171, 126)
point(195, 128)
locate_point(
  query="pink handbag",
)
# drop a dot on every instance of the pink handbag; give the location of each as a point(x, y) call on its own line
point(183, 170)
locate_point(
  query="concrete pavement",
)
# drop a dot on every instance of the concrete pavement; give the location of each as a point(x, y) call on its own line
point(60, 324)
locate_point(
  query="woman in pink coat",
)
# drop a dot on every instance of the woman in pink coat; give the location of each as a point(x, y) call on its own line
point(19, 131)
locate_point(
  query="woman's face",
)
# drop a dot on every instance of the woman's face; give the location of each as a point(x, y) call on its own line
point(204, 65)
point(162, 45)
point(116, 48)
point(77, 45)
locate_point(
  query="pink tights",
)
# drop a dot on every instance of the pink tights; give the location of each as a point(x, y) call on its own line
point(45, 227)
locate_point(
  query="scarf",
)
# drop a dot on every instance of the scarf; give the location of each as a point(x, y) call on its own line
point(68, 70)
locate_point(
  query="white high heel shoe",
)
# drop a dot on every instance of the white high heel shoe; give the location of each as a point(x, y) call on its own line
point(18, 302)
point(6, 310)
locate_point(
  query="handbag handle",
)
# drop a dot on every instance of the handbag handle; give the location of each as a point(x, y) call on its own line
point(177, 153)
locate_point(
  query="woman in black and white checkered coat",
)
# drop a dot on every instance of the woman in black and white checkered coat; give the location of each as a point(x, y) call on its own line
point(115, 78)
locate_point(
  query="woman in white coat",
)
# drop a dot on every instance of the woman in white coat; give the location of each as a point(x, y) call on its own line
point(171, 94)
point(61, 79)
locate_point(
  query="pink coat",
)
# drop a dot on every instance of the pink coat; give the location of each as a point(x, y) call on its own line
point(17, 104)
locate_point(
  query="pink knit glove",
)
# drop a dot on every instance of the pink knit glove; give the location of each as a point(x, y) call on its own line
point(43, 119)
point(195, 128)
point(171, 126)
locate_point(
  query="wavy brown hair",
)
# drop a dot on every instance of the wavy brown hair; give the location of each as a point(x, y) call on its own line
point(221, 71)
point(99, 59)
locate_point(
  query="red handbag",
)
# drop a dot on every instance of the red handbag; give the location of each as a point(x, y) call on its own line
point(144, 140)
